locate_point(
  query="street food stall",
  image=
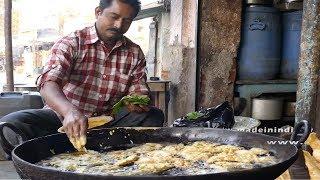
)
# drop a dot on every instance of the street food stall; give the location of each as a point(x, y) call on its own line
point(262, 56)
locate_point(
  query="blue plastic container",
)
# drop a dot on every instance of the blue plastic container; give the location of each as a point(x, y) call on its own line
point(260, 50)
point(291, 44)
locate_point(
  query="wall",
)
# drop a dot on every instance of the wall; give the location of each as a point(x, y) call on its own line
point(177, 56)
point(163, 42)
point(219, 37)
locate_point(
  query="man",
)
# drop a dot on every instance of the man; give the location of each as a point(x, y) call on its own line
point(87, 73)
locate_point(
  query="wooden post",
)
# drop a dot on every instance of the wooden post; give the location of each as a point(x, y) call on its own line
point(8, 43)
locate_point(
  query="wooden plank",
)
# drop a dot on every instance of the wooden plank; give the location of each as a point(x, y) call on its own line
point(276, 81)
point(160, 89)
point(157, 86)
point(156, 99)
point(163, 105)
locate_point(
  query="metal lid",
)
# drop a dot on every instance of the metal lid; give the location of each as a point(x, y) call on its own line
point(262, 9)
point(265, 2)
point(287, 5)
point(287, 1)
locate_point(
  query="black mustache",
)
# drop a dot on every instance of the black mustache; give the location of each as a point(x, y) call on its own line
point(114, 29)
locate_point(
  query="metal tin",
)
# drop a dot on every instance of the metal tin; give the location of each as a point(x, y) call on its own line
point(267, 109)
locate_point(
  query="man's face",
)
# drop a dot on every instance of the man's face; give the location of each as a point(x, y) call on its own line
point(114, 21)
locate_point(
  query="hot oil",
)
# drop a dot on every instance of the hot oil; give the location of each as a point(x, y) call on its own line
point(107, 164)
point(117, 148)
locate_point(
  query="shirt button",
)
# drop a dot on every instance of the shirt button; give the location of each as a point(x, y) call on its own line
point(53, 66)
point(104, 76)
point(100, 96)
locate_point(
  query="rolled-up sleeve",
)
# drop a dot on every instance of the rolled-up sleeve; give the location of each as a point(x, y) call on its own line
point(139, 80)
point(59, 63)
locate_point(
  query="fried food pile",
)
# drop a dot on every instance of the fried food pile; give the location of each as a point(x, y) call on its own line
point(198, 157)
point(312, 160)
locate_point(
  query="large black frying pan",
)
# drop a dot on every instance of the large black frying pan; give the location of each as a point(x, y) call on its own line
point(27, 154)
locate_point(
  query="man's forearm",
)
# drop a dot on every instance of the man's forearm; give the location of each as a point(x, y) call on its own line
point(55, 98)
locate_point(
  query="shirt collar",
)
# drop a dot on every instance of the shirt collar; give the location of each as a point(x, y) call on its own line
point(93, 37)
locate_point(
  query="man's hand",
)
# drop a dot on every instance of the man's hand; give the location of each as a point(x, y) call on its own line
point(137, 108)
point(75, 124)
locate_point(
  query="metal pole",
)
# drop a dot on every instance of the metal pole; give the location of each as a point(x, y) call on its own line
point(309, 64)
point(152, 54)
point(8, 43)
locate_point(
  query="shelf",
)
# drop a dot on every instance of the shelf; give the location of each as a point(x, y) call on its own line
point(249, 91)
point(275, 81)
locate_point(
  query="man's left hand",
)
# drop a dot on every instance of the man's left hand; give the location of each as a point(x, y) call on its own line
point(137, 108)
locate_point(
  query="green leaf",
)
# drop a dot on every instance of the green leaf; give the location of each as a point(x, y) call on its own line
point(116, 108)
point(130, 99)
point(194, 115)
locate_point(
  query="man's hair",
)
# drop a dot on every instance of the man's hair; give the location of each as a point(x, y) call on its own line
point(136, 4)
